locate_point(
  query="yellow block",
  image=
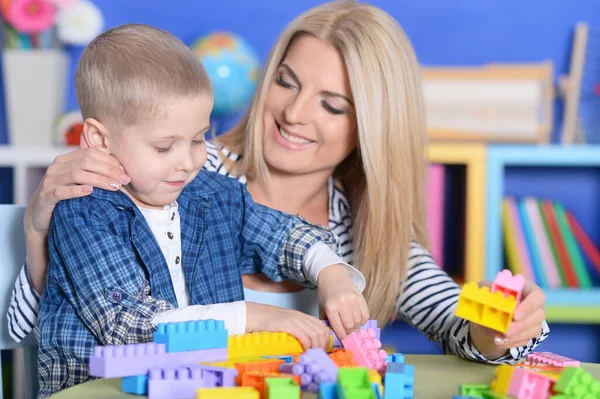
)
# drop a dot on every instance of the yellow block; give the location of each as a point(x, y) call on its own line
point(231, 362)
point(228, 393)
point(375, 377)
point(263, 344)
point(481, 306)
point(501, 383)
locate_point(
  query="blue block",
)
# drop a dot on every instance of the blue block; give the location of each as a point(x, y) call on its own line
point(376, 390)
point(399, 381)
point(137, 385)
point(192, 335)
point(286, 359)
point(395, 358)
point(327, 390)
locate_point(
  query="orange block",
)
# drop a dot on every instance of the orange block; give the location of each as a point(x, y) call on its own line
point(343, 358)
point(264, 366)
point(256, 379)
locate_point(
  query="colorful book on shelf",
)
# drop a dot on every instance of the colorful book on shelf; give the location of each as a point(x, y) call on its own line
point(552, 244)
point(435, 211)
point(559, 245)
point(532, 246)
point(573, 250)
point(517, 254)
point(587, 245)
point(542, 243)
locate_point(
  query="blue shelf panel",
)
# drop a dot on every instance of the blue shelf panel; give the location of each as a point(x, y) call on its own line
point(566, 296)
point(540, 155)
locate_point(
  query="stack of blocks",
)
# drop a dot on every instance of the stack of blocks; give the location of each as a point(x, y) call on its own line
point(495, 308)
point(197, 359)
point(543, 375)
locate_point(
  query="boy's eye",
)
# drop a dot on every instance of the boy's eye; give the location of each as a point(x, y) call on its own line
point(162, 150)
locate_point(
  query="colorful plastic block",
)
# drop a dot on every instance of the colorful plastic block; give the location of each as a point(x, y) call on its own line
point(228, 393)
point(494, 395)
point(508, 284)
point(369, 324)
point(263, 365)
point(551, 359)
point(137, 385)
point(503, 378)
point(366, 349)
point(399, 381)
point(173, 383)
point(354, 383)
point(328, 390)
point(577, 383)
point(192, 335)
point(481, 306)
point(257, 379)
point(286, 359)
point(474, 390)
point(263, 344)
point(319, 366)
point(395, 358)
point(375, 378)
point(343, 358)
point(282, 388)
point(528, 385)
point(230, 363)
point(138, 359)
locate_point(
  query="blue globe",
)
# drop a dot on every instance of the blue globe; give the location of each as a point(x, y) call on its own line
point(233, 68)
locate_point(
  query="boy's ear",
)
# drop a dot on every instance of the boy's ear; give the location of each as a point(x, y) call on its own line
point(95, 135)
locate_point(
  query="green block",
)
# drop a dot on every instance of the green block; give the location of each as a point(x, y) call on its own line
point(353, 382)
point(493, 395)
point(473, 390)
point(576, 382)
point(282, 388)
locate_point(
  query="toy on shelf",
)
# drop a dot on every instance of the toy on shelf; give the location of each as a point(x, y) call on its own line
point(197, 359)
point(491, 308)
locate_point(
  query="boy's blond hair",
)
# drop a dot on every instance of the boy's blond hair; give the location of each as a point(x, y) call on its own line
point(127, 73)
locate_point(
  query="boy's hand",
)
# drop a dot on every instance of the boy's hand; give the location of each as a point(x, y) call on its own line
point(309, 330)
point(344, 305)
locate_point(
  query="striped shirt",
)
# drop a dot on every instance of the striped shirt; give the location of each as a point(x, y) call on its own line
point(428, 302)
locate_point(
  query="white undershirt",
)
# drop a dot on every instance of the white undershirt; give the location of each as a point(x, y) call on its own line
point(166, 227)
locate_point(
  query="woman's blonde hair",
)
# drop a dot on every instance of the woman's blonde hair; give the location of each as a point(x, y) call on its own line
point(384, 178)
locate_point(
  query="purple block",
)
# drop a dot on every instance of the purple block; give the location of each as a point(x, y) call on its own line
point(136, 359)
point(175, 383)
point(319, 365)
point(369, 324)
point(291, 368)
point(215, 376)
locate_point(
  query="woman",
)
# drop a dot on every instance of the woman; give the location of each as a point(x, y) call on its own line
point(336, 124)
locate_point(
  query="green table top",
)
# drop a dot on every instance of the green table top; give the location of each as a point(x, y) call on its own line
point(436, 376)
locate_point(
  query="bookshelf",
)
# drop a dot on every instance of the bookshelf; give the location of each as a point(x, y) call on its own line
point(473, 157)
point(562, 166)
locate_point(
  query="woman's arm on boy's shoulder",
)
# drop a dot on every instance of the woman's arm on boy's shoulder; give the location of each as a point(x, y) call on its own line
point(99, 272)
point(23, 308)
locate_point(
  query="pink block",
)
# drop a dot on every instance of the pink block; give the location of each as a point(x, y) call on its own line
point(137, 359)
point(551, 359)
point(435, 211)
point(528, 385)
point(508, 284)
point(366, 349)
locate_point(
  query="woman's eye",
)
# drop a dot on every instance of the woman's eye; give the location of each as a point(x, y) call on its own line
point(331, 109)
point(162, 150)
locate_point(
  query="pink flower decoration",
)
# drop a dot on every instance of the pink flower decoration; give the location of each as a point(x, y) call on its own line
point(31, 16)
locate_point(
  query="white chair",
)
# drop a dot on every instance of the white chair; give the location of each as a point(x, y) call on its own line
point(12, 257)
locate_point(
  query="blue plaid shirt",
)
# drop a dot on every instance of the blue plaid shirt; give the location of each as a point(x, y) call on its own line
point(107, 276)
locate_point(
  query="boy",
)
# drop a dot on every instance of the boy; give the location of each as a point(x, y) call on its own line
point(171, 245)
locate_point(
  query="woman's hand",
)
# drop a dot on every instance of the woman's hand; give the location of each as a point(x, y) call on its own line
point(71, 175)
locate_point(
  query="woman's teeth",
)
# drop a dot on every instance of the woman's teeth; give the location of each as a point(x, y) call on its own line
point(293, 139)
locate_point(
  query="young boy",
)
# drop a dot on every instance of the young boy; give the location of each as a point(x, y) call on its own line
point(171, 245)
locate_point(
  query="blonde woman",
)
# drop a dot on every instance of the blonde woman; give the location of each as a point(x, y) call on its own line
point(336, 134)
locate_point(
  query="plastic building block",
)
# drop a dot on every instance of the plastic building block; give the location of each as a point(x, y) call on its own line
point(375, 379)
point(137, 385)
point(577, 383)
point(263, 344)
point(508, 284)
point(257, 379)
point(528, 385)
point(228, 393)
point(366, 349)
point(328, 390)
point(281, 388)
point(230, 363)
point(192, 335)
point(399, 381)
point(494, 395)
point(173, 383)
point(343, 358)
point(481, 306)
point(354, 383)
point(286, 359)
point(369, 324)
point(503, 378)
point(215, 376)
point(395, 358)
point(138, 359)
point(551, 359)
point(263, 365)
point(474, 390)
point(313, 368)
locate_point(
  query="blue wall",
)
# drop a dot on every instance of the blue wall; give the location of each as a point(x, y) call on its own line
point(443, 32)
